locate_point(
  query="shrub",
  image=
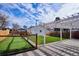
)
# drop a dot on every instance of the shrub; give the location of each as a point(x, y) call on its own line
point(57, 34)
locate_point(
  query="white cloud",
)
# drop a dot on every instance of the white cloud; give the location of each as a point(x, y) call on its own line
point(19, 21)
point(68, 10)
point(43, 8)
point(4, 12)
point(47, 14)
point(47, 17)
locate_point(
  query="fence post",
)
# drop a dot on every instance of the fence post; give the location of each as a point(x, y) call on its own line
point(36, 40)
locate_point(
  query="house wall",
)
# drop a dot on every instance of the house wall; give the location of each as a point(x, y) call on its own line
point(39, 30)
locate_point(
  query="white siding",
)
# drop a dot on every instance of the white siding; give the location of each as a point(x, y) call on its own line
point(38, 29)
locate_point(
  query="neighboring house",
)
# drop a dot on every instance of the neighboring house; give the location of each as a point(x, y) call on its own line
point(40, 30)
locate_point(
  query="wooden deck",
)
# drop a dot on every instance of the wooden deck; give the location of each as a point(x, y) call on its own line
point(54, 49)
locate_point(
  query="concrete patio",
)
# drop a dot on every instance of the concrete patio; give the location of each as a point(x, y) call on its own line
point(61, 48)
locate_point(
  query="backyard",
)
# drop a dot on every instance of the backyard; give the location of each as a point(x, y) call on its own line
point(13, 43)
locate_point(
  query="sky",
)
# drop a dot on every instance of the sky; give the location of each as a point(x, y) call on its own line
point(28, 13)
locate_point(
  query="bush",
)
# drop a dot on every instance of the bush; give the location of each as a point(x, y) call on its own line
point(24, 33)
point(66, 35)
point(57, 34)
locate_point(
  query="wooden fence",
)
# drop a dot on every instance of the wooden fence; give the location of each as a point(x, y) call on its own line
point(2, 33)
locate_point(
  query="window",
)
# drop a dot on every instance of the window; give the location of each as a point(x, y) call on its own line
point(40, 30)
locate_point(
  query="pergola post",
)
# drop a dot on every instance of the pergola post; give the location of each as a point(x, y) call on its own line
point(60, 33)
point(70, 33)
point(44, 35)
point(44, 40)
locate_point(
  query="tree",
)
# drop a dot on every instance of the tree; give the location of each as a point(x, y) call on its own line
point(25, 27)
point(16, 26)
point(15, 29)
point(3, 20)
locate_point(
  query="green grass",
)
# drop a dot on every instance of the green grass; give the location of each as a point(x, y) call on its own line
point(49, 39)
point(52, 39)
point(4, 44)
point(17, 43)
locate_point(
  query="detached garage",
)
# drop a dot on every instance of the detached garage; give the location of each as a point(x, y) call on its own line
point(40, 30)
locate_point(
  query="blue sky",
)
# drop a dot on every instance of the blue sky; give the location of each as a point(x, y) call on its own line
point(28, 13)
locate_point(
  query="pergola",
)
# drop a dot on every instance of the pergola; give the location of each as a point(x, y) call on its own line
point(66, 23)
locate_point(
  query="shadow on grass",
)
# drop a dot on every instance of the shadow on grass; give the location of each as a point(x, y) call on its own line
point(15, 51)
point(9, 44)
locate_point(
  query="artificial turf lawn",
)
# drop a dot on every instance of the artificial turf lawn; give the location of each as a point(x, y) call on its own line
point(49, 39)
point(18, 43)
